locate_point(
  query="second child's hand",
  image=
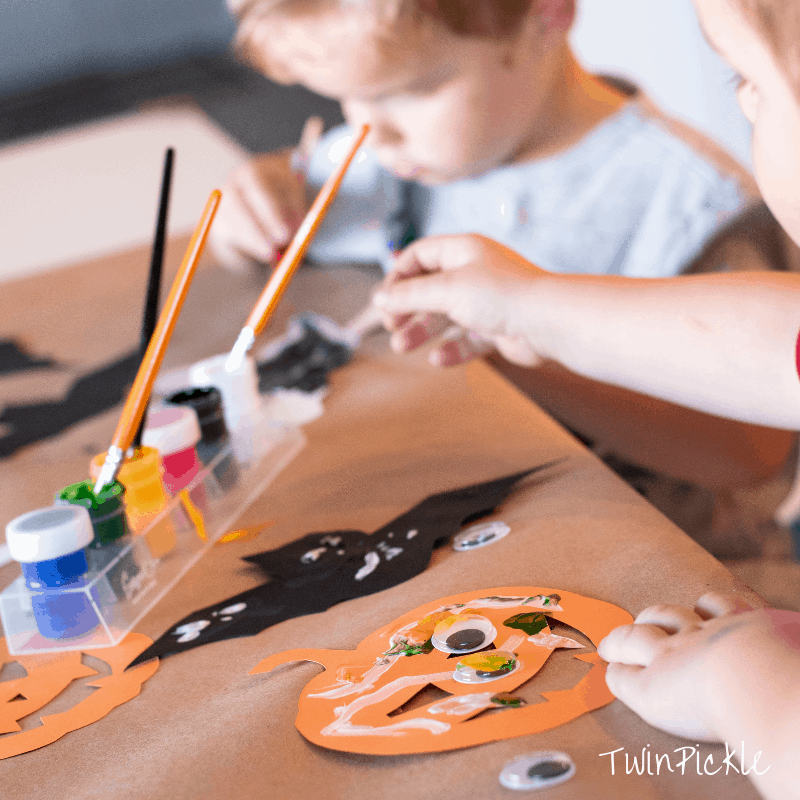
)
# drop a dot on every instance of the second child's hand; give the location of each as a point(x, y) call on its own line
point(264, 202)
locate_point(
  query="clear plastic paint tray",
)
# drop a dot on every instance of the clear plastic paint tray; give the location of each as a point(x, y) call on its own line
point(113, 599)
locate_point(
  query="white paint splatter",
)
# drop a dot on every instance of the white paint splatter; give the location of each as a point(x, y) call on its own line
point(371, 561)
point(411, 534)
point(313, 555)
point(234, 609)
point(463, 704)
point(191, 630)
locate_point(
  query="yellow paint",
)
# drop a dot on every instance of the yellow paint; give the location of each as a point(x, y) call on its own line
point(145, 497)
point(194, 514)
point(486, 662)
point(464, 616)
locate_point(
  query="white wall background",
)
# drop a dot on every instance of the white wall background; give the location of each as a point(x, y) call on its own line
point(658, 44)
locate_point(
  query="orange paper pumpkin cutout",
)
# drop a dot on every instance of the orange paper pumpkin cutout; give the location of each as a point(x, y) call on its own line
point(353, 705)
point(49, 674)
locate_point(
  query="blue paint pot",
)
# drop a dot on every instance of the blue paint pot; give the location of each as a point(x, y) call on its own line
point(49, 546)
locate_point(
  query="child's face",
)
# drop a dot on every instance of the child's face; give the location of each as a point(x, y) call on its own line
point(768, 101)
point(441, 107)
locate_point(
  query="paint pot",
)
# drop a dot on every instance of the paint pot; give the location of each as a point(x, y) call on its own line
point(174, 431)
point(214, 436)
point(49, 546)
point(240, 398)
point(107, 513)
point(145, 497)
point(537, 771)
point(110, 551)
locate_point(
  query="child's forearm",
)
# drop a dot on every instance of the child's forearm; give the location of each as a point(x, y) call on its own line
point(686, 444)
point(723, 344)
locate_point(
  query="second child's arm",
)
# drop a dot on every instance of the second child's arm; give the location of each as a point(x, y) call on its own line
point(723, 343)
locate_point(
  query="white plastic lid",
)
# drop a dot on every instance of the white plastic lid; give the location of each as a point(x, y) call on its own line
point(171, 429)
point(49, 533)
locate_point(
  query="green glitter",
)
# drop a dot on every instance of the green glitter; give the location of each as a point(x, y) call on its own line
point(531, 623)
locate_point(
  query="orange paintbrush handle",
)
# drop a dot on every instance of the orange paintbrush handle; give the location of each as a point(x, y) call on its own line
point(151, 363)
point(280, 278)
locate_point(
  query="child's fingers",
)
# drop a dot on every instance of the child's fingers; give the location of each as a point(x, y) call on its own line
point(419, 329)
point(625, 682)
point(231, 258)
point(459, 347)
point(430, 293)
point(633, 644)
point(240, 227)
point(671, 618)
point(278, 222)
point(309, 139)
point(716, 604)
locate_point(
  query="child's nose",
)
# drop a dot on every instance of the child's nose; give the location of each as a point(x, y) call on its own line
point(383, 132)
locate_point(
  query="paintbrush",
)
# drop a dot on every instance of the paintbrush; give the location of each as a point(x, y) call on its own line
point(154, 282)
point(140, 391)
point(279, 280)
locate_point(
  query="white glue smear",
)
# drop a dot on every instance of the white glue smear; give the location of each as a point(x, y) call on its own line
point(464, 704)
point(511, 644)
point(553, 642)
point(345, 713)
point(367, 681)
point(396, 729)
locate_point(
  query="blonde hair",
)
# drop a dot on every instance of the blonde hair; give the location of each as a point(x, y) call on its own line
point(468, 18)
point(778, 24)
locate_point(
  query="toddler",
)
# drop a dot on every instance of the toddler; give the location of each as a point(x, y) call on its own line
point(484, 122)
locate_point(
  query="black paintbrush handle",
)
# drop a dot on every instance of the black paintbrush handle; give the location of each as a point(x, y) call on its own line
point(150, 315)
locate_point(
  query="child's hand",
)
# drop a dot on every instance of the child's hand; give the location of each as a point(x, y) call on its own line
point(263, 204)
point(469, 290)
point(705, 674)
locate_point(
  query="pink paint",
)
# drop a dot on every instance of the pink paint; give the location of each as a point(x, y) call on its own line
point(175, 431)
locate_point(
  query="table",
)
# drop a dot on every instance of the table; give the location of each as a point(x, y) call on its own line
point(394, 431)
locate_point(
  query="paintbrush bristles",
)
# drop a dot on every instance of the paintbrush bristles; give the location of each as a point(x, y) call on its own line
point(280, 278)
point(142, 386)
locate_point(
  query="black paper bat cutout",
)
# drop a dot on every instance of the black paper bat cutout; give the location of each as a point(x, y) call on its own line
point(307, 354)
point(312, 574)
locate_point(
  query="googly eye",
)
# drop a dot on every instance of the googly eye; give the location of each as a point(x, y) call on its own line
point(484, 667)
point(537, 771)
point(480, 535)
point(463, 633)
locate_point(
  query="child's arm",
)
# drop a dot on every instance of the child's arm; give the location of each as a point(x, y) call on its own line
point(722, 673)
point(723, 343)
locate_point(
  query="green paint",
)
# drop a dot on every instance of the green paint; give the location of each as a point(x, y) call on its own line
point(107, 509)
point(405, 649)
point(508, 700)
point(418, 649)
point(531, 622)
